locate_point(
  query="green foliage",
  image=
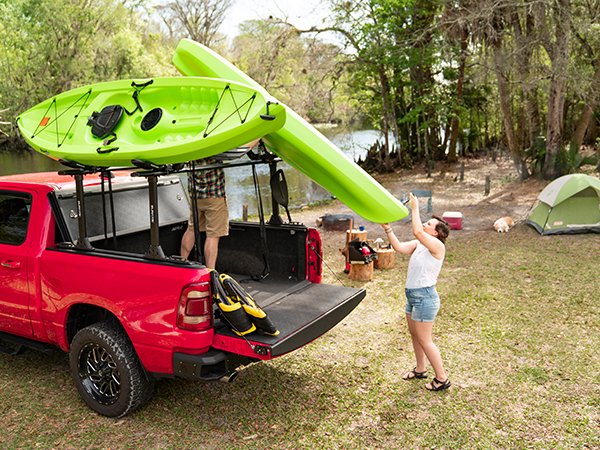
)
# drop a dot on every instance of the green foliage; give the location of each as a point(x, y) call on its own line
point(54, 45)
point(401, 58)
point(301, 72)
point(535, 155)
point(570, 161)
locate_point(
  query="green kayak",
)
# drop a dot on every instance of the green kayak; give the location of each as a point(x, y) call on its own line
point(301, 145)
point(160, 120)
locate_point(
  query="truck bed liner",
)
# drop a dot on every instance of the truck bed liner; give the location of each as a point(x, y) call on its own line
point(301, 311)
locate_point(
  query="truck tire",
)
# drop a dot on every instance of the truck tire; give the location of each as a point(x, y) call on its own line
point(107, 371)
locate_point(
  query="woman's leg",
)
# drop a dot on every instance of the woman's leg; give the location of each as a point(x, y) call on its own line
point(419, 352)
point(423, 335)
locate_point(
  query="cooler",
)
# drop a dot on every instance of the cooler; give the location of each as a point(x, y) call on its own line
point(454, 219)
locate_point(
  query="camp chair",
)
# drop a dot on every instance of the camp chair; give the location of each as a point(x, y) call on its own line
point(424, 206)
point(420, 193)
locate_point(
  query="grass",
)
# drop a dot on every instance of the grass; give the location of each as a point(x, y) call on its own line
point(519, 330)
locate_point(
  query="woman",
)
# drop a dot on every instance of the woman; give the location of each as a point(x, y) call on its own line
point(422, 301)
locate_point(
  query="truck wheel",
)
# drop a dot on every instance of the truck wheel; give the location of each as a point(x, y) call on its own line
point(107, 371)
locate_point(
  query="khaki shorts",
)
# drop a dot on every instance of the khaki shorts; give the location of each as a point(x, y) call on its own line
point(213, 216)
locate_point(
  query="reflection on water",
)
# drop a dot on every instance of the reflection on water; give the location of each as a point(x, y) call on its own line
point(26, 162)
point(239, 182)
point(302, 190)
point(240, 189)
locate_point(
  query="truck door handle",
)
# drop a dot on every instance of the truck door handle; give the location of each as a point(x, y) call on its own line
point(9, 264)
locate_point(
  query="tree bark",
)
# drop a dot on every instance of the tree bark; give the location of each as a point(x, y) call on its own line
point(524, 47)
point(455, 126)
point(588, 109)
point(559, 55)
point(505, 96)
point(390, 114)
point(385, 90)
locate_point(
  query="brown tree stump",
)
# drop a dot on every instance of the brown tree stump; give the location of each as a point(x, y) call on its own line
point(386, 258)
point(361, 272)
point(356, 234)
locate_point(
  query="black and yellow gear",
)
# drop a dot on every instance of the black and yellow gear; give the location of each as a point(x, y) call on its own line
point(231, 309)
point(257, 315)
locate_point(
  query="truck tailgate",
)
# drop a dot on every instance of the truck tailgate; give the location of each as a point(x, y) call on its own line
point(301, 311)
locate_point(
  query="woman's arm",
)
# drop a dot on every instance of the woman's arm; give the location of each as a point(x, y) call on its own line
point(433, 244)
point(405, 248)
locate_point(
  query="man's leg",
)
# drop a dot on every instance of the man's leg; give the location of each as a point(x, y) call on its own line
point(187, 243)
point(211, 249)
point(217, 225)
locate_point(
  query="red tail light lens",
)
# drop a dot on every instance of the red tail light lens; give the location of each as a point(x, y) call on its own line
point(195, 308)
point(314, 255)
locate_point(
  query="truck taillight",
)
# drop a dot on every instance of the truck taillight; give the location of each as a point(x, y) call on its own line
point(195, 308)
point(314, 255)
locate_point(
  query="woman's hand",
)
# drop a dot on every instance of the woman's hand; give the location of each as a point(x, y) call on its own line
point(414, 202)
point(388, 230)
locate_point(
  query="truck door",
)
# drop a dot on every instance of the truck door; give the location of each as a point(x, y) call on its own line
point(15, 210)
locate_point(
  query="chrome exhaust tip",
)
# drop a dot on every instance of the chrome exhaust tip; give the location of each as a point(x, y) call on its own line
point(229, 378)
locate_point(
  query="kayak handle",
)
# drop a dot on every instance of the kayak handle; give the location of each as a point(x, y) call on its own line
point(267, 116)
point(106, 150)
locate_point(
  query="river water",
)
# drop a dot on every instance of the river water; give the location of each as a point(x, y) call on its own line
point(238, 180)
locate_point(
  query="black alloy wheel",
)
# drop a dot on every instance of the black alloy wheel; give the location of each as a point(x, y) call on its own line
point(99, 374)
point(107, 371)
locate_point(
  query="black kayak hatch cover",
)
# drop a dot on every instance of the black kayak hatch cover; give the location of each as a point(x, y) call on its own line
point(151, 119)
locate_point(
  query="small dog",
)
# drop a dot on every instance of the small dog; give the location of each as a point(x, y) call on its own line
point(503, 224)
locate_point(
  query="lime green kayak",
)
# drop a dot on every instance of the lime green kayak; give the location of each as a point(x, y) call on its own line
point(161, 120)
point(301, 145)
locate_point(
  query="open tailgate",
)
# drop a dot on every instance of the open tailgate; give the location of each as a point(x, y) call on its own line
point(301, 311)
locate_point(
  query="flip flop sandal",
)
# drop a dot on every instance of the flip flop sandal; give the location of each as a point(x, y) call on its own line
point(437, 385)
point(414, 374)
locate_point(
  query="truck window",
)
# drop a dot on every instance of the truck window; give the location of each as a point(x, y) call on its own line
point(14, 217)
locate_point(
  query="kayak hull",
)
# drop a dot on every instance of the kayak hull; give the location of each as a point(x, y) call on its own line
point(301, 145)
point(162, 120)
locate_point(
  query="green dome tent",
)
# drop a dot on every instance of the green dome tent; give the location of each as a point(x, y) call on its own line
point(569, 204)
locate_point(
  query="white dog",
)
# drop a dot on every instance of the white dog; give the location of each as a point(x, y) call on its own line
point(503, 224)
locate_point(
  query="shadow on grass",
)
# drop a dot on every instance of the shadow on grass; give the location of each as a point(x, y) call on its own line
point(266, 397)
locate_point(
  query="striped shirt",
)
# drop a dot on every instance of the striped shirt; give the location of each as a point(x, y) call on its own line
point(210, 183)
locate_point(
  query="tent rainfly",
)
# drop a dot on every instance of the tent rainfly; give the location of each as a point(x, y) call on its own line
point(570, 204)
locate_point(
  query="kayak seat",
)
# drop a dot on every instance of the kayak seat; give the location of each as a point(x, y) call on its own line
point(104, 122)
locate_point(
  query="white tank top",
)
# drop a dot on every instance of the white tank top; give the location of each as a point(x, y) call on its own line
point(423, 268)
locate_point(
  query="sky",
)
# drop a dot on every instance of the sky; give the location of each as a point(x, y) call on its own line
point(301, 13)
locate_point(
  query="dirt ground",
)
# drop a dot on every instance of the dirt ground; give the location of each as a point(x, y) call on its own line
point(507, 197)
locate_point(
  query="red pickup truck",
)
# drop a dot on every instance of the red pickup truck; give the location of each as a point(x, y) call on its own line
point(128, 316)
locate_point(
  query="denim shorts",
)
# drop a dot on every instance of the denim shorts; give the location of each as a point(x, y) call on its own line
point(422, 304)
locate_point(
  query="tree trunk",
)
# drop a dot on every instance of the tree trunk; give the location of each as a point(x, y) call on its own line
point(556, 99)
point(588, 110)
point(524, 50)
point(385, 99)
point(422, 77)
point(504, 94)
point(559, 54)
point(459, 94)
